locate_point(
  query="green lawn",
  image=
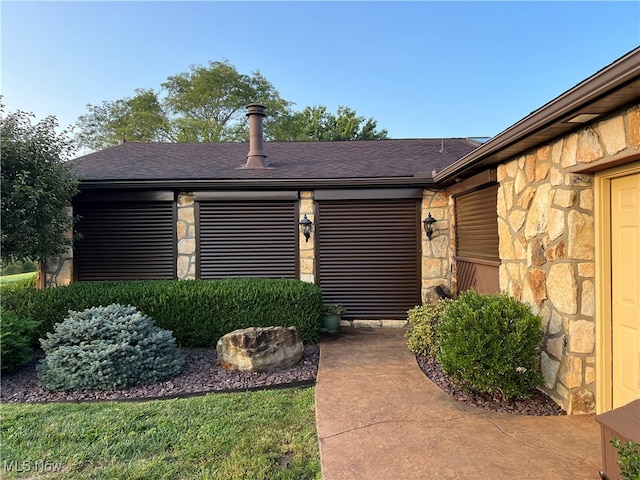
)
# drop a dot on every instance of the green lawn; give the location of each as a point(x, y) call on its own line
point(17, 278)
point(253, 435)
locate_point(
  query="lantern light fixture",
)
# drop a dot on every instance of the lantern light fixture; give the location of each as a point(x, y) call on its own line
point(305, 225)
point(428, 225)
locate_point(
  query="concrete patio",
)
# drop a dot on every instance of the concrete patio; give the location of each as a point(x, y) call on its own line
point(379, 417)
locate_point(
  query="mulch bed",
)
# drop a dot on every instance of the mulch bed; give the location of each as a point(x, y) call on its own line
point(200, 375)
point(538, 404)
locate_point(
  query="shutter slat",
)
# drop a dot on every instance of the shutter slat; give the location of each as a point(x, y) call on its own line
point(125, 242)
point(368, 257)
point(248, 239)
point(477, 225)
point(477, 241)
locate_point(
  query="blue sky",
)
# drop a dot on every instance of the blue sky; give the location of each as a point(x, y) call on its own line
point(421, 69)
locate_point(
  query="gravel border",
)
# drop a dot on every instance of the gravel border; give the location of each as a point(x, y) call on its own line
point(199, 376)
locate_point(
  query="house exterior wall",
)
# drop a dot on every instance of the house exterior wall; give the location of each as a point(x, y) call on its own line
point(58, 270)
point(547, 247)
point(307, 250)
point(437, 253)
point(546, 218)
point(186, 237)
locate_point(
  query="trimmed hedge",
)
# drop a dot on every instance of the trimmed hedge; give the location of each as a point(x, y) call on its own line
point(198, 312)
point(16, 341)
point(490, 343)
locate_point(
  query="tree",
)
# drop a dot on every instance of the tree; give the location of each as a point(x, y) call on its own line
point(37, 185)
point(140, 118)
point(207, 104)
point(317, 124)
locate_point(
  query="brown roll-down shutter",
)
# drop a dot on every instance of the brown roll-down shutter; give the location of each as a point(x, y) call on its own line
point(477, 225)
point(248, 239)
point(124, 241)
point(368, 256)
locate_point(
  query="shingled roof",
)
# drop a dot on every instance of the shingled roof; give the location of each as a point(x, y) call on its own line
point(288, 161)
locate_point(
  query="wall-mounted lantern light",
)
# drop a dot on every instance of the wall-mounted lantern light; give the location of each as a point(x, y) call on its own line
point(305, 225)
point(428, 225)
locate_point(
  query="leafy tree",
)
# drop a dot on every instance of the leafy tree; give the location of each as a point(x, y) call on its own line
point(140, 118)
point(207, 104)
point(37, 186)
point(20, 266)
point(317, 124)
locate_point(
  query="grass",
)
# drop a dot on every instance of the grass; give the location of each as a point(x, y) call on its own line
point(16, 278)
point(253, 435)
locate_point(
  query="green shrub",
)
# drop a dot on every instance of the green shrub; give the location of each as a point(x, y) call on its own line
point(490, 343)
point(16, 341)
point(628, 458)
point(19, 266)
point(422, 338)
point(333, 309)
point(198, 312)
point(20, 281)
point(108, 348)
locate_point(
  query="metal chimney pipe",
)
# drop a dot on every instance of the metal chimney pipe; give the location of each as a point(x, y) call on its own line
point(256, 158)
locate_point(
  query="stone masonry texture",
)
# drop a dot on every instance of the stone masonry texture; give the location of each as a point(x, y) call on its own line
point(186, 237)
point(547, 246)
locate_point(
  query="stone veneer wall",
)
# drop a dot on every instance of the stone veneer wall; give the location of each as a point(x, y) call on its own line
point(547, 247)
point(186, 237)
point(306, 249)
point(437, 253)
point(59, 270)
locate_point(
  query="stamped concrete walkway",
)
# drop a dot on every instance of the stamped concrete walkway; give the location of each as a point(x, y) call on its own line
point(379, 417)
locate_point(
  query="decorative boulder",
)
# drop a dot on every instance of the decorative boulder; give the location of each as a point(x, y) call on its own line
point(260, 349)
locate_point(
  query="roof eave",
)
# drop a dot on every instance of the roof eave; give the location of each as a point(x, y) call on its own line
point(620, 74)
point(257, 184)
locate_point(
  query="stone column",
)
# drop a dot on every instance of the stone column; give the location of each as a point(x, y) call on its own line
point(186, 237)
point(59, 270)
point(437, 252)
point(307, 251)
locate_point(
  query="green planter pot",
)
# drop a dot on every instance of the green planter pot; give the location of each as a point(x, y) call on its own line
point(330, 323)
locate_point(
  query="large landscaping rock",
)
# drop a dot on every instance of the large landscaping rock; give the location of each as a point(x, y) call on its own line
point(260, 349)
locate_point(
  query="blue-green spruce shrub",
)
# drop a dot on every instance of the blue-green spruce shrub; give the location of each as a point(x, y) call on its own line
point(16, 339)
point(491, 343)
point(107, 348)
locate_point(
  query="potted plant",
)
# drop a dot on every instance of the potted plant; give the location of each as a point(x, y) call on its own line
point(331, 316)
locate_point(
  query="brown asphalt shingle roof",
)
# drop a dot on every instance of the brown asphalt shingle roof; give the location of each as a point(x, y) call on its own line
point(289, 160)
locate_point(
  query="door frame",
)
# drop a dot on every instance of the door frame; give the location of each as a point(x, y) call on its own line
point(602, 211)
